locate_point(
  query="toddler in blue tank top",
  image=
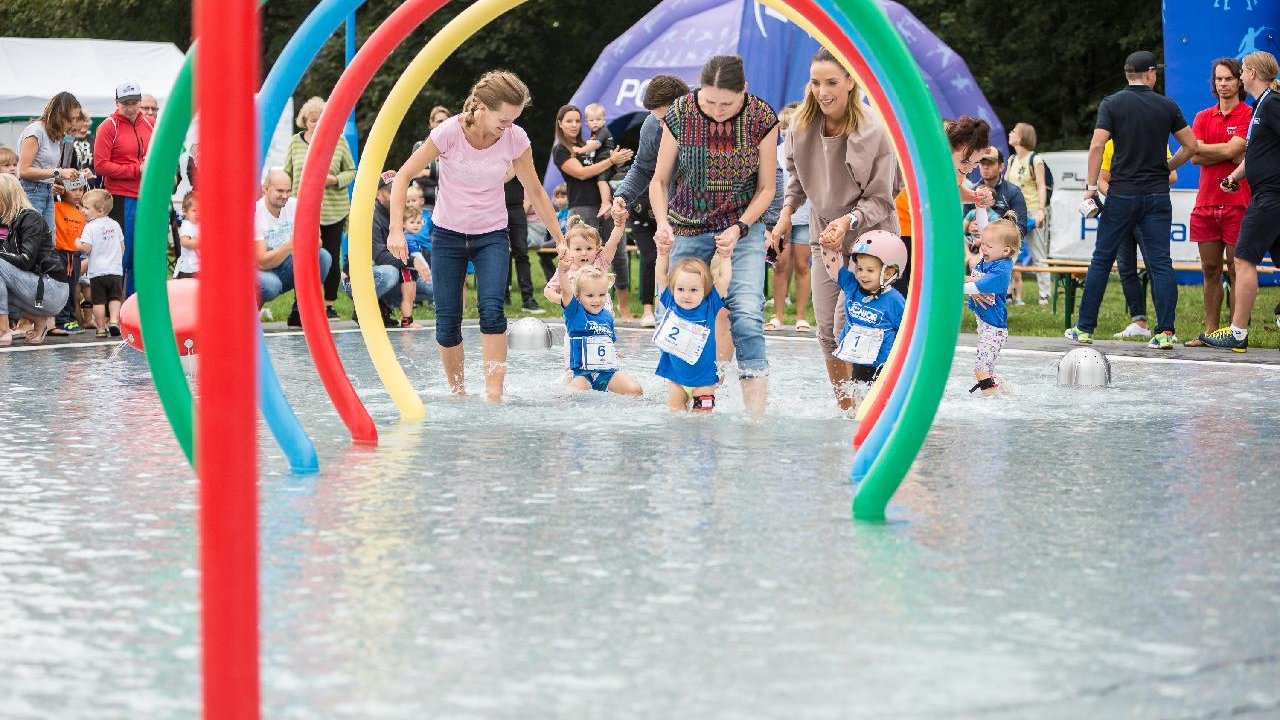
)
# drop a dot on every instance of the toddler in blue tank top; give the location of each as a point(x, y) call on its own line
point(591, 353)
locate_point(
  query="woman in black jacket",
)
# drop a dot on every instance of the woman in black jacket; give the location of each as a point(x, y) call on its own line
point(33, 281)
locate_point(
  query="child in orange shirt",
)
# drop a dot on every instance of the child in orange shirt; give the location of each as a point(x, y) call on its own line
point(69, 223)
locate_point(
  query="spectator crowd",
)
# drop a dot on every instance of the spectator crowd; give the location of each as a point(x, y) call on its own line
point(810, 197)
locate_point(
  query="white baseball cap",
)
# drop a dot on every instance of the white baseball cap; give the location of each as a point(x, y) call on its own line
point(126, 91)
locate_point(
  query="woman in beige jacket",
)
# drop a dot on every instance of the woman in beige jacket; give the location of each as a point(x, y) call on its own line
point(839, 157)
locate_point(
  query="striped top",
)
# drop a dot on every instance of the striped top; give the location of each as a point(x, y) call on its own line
point(336, 204)
point(716, 164)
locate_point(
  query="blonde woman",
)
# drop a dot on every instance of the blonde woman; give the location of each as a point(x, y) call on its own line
point(336, 204)
point(840, 160)
point(476, 149)
point(33, 279)
point(1027, 171)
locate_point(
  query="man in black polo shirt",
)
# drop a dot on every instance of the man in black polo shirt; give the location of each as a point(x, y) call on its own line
point(1260, 229)
point(1140, 120)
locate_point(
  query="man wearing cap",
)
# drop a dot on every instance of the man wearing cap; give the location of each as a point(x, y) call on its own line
point(119, 151)
point(273, 223)
point(1004, 195)
point(1140, 121)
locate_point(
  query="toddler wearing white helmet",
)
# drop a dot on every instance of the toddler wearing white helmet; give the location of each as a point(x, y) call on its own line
point(873, 309)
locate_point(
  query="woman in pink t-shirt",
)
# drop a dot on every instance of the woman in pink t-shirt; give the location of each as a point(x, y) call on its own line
point(476, 151)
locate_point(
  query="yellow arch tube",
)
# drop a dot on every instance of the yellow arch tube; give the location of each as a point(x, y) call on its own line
point(376, 149)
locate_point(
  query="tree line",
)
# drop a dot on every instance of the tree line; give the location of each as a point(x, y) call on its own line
point(1046, 63)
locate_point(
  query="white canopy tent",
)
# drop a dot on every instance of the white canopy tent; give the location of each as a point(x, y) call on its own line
point(32, 70)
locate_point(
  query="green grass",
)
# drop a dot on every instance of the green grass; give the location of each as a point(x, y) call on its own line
point(1029, 320)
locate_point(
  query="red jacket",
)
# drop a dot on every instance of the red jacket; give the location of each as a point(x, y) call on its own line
point(118, 151)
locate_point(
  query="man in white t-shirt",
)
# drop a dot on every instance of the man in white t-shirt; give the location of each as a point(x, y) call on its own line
point(273, 236)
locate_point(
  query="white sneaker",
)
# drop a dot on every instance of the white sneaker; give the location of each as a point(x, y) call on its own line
point(1134, 330)
point(647, 321)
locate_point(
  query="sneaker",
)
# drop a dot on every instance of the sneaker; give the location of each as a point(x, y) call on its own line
point(1079, 336)
point(113, 329)
point(1225, 339)
point(532, 307)
point(647, 320)
point(1163, 341)
point(295, 320)
point(72, 328)
point(1133, 330)
point(330, 313)
point(1019, 301)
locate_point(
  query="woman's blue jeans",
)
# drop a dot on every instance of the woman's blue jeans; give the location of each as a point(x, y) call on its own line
point(40, 196)
point(450, 253)
point(746, 293)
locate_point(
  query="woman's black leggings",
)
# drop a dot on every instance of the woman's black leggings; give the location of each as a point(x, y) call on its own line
point(331, 241)
point(642, 233)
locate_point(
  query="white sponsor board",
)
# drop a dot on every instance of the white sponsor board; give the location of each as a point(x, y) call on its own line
point(1072, 236)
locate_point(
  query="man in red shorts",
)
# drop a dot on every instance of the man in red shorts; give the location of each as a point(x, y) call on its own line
point(1215, 221)
point(1260, 228)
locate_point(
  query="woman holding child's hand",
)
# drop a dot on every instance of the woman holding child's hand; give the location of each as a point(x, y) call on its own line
point(840, 159)
point(713, 180)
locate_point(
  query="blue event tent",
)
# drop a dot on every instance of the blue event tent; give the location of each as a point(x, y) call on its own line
point(677, 36)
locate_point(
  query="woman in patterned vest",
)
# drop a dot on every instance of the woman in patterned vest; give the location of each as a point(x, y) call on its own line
point(713, 181)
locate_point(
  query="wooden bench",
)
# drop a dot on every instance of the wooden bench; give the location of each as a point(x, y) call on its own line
point(1069, 275)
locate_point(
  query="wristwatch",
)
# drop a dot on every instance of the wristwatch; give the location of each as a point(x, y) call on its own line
point(742, 229)
point(853, 220)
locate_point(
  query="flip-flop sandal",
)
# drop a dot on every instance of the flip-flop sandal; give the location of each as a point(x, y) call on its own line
point(36, 336)
point(1194, 342)
point(58, 332)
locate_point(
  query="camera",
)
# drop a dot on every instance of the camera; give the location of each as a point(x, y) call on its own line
point(1091, 207)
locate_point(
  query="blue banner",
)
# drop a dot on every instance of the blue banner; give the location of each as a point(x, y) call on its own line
point(1197, 32)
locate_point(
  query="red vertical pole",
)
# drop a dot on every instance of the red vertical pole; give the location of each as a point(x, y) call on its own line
point(226, 440)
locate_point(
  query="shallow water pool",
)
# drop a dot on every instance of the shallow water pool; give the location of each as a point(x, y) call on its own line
point(1055, 553)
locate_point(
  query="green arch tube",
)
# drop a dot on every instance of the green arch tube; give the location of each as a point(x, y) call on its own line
point(151, 263)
